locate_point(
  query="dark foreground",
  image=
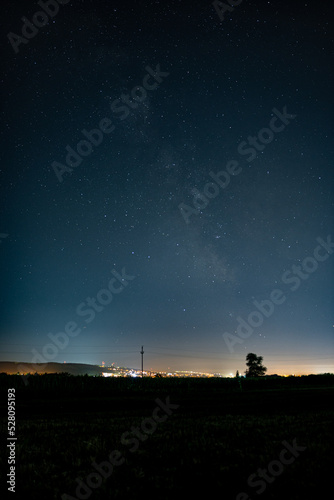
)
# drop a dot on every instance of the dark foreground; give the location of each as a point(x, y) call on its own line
point(91, 437)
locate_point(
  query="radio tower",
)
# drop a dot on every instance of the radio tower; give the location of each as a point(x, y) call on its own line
point(142, 359)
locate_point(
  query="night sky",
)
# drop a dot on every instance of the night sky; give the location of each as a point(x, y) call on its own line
point(209, 187)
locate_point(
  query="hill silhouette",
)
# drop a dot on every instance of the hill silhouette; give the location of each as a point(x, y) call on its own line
point(12, 368)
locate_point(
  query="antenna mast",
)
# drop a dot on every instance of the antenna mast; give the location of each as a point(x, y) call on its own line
point(142, 359)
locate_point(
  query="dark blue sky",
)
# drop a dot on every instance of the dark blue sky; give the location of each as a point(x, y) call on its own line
point(179, 95)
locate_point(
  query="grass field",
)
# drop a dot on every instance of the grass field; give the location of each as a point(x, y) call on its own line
point(167, 437)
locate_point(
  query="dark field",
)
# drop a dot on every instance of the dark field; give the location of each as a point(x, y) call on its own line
point(218, 436)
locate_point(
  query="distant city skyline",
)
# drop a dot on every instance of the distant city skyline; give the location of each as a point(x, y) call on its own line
point(27, 369)
point(152, 362)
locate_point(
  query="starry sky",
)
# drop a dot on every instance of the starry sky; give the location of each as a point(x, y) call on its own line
point(209, 188)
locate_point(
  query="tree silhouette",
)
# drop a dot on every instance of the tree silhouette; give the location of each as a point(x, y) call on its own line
point(255, 367)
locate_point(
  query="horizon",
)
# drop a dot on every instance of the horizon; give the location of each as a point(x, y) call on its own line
point(223, 373)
